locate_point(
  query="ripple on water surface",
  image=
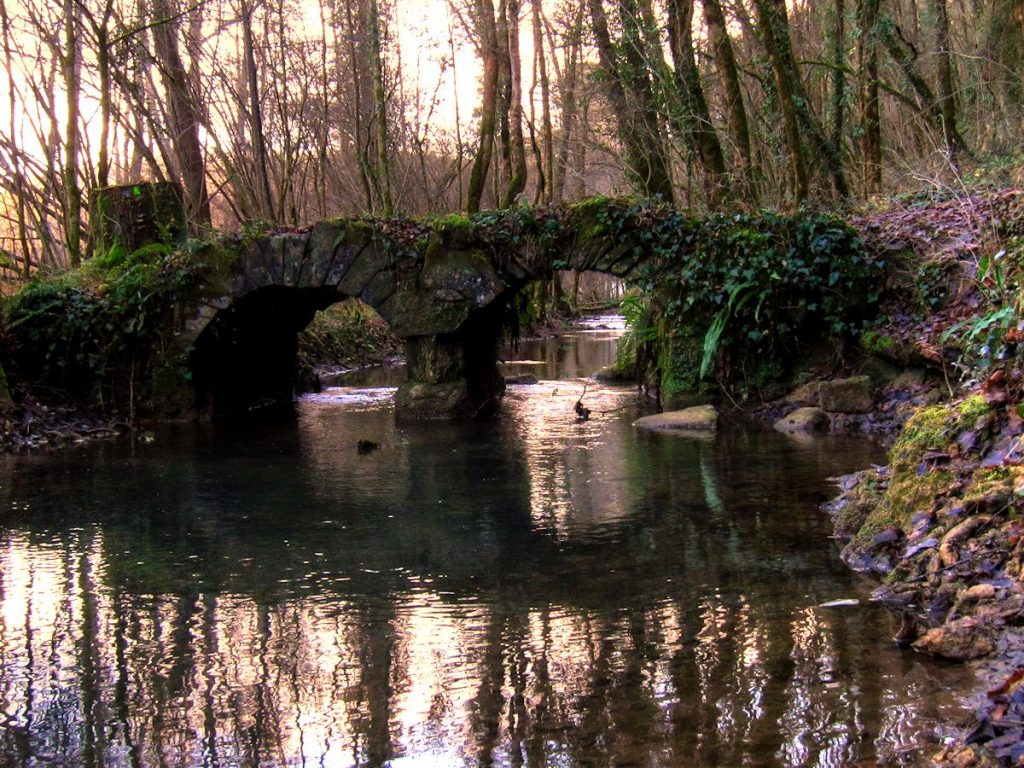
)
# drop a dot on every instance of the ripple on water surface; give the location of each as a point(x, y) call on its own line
point(535, 590)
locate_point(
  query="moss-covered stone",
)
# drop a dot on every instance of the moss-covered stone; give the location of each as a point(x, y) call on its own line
point(934, 428)
point(453, 230)
point(851, 395)
point(921, 472)
point(699, 418)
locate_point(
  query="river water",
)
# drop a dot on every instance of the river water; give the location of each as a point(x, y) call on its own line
point(532, 591)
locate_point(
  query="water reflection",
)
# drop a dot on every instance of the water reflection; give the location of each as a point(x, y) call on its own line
point(541, 592)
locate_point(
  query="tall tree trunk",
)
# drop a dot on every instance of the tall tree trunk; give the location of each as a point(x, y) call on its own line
point(488, 105)
point(547, 157)
point(503, 170)
point(72, 140)
point(696, 118)
point(870, 119)
point(639, 61)
point(184, 115)
point(767, 20)
point(352, 33)
point(795, 104)
point(517, 145)
point(380, 112)
point(261, 164)
point(947, 102)
point(102, 32)
point(567, 76)
point(837, 76)
point(20, 191)
point(739, 129)
point(646, 164)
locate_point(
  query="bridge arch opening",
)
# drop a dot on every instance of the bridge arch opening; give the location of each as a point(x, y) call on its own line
point(246, 355)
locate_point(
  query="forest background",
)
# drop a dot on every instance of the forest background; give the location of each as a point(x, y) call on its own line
point(284, 112)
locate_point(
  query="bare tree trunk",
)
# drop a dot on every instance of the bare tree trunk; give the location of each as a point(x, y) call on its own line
point(645, 159)
point(380, 112)
point(503, 170)
point(547, 157)
point(20, 190)
point(871, 123)
point(947, 102)
point(517, 145)
point(351, 33)
point(767, 20)
point(488, 105)
point(794, 102)
point(568, 78)
point(837, 75)
point(696, 118)
point(184, 114)
point(739, 130)
point(260, 160)
point(72, 142)
point(101, 29)
point(458, 117)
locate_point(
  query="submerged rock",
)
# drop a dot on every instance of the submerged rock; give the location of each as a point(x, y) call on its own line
point(807, 419)
point(699, 418)
point(523, 379)
point(968, 638)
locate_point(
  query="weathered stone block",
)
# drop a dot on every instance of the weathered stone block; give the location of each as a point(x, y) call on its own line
point(699, 418)
point(807, 419)
point(851, 395)
point(419, 401)
point(805, 394)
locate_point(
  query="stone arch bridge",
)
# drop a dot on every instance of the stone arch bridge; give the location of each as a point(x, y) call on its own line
point(444, 285)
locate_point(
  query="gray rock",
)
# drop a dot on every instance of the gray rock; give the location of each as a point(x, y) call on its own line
point(805, 394)
point(699, 418)
point(807, 419)
point(851, 395)
point(911, 379)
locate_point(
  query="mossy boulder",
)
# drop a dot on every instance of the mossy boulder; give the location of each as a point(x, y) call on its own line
point(853, 395)
point(699, 418)
point(921, 469)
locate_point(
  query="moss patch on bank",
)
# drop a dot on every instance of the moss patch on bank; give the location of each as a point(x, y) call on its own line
point(92, 334)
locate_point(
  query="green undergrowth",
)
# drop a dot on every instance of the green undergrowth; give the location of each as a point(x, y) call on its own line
point(346, 335)
point(735, 297)
point(91, 334)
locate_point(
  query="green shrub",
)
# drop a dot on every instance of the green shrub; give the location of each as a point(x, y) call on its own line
point(756, 286)
point(92, 333)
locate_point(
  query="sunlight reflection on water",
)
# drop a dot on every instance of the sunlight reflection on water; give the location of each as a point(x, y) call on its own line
point(532, 591)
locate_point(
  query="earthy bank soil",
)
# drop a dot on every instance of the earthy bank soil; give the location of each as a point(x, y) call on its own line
point(942, 526)
point(31, 425)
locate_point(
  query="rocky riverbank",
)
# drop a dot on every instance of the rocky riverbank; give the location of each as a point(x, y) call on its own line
point(940, 527)
point(29, 425)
